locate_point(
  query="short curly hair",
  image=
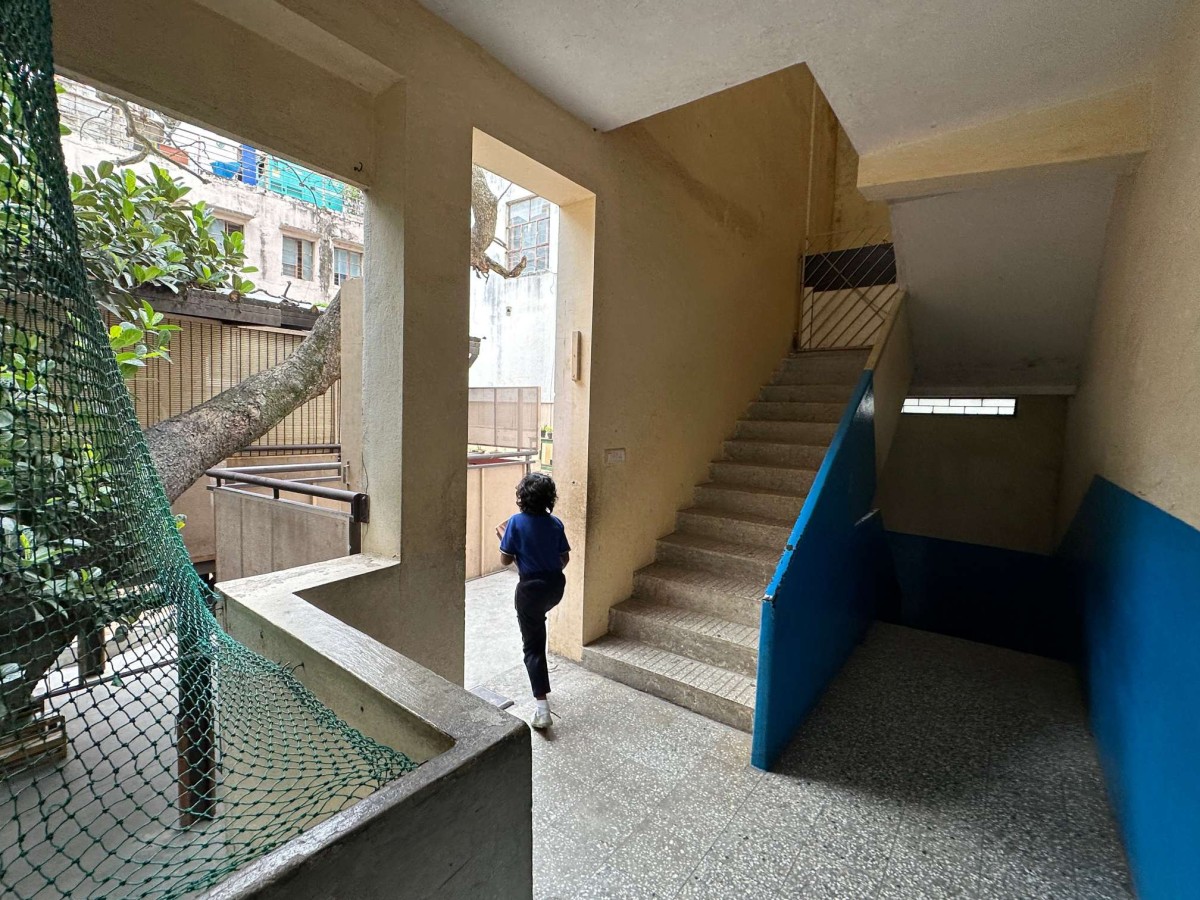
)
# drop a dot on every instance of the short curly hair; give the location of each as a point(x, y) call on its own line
point(536, 494)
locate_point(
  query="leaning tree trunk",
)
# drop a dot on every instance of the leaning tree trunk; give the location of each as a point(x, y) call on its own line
point(185, 446)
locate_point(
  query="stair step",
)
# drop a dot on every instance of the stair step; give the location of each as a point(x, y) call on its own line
point(814, 433)
point(790, 479)
point(822, 367)
point(707, 638)
point(720, 594)
point(739, 498)
point(744, 560)
point(780, 411)
point(854, 358)
point(775, 453)
point(738, 528)
point(712, 691)
point(807, 393)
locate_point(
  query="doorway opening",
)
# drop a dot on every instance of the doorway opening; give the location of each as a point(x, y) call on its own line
point(533, 233)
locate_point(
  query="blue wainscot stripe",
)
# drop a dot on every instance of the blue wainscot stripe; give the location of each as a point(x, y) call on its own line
point(822, 597)
point(1136, 571)
point(1003, 597)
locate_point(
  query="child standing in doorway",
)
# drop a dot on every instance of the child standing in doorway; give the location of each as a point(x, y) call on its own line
point(537, 541)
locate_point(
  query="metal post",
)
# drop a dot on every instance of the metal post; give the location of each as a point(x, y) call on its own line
point(195, 738)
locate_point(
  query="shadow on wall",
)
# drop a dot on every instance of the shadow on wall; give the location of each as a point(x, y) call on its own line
point(995, 596)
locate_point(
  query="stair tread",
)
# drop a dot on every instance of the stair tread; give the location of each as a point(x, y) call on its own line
point(796, 402)
point(750, 489)
point(699, 623)
point(822, 425)
point(724, 683)
point(755, 464)
point(749, 518)
point(768, 555)
point(832, 353)
point(744, 588)
point(776, 442)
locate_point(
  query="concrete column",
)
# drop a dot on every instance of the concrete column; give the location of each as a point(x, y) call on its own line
point(414, 372)
point(351, 412)
point(572, 401)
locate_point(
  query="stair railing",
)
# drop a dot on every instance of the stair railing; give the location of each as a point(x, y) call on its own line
point(848, 286)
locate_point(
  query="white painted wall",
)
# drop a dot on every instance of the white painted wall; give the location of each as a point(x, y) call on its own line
point(515, 316)
point(264, 215)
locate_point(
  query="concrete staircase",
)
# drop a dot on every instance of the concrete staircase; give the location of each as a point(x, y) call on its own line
point(689, 634)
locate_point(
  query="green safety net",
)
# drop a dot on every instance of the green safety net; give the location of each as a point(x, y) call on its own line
point(183, 755)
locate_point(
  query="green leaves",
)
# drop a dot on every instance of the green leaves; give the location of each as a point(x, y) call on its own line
point(139, 231)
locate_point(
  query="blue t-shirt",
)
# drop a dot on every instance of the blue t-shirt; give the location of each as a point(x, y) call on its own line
point(537, 542)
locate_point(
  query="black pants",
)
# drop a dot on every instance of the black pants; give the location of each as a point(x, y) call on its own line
point(537, 594)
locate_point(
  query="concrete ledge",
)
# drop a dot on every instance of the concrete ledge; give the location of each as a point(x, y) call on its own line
point(1111, 130)
point(459, 826)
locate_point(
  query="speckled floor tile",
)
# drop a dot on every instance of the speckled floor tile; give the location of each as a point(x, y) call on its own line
point(932, 769)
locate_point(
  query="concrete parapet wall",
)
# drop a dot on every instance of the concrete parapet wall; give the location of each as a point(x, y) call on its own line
point(256, 534)
point(459, 826)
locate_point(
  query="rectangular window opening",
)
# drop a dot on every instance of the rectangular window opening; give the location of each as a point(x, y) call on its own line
point(222, 227)
point(346, 264)
point(961, 406)
point(528, 234)
point(297, 258)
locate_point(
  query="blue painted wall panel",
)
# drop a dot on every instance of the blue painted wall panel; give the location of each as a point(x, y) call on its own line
point(825, 588)
point(1003, 597)
point(1137, 573)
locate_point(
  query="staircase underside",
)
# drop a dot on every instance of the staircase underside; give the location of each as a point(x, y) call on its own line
point(689, 633)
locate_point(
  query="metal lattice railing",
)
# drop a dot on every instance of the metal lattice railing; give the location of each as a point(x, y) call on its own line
point(848, 286)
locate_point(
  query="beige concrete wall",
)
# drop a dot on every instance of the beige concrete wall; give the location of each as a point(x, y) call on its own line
point(698, 215)
point(1134, 420)
point(256, 534)
point(891, 362)
point(490, 500)
point(856, 218)
point(981, 480)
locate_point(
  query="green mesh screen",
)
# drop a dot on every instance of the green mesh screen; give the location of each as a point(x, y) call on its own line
point(184, 755)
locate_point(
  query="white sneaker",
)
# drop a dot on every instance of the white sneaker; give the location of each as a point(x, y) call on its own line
point(541, 719)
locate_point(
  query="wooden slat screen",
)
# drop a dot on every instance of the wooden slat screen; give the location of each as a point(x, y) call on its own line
point(209, 357)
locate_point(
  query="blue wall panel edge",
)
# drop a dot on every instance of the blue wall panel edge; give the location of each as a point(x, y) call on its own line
point(1136, 572)
point(821, 598)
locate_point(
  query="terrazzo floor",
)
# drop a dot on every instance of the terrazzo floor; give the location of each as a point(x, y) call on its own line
point(933, 768)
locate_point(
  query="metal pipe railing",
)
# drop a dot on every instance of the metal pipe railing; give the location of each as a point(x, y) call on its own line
point(359, 502)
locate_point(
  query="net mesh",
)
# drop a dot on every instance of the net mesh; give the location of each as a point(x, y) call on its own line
point(184, 755)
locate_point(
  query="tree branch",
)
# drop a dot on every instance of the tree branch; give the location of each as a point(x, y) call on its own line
point(185, 446)
point(149, 147)
point(484, 212)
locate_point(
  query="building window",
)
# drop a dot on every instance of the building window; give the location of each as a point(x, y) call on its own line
point(346, 264)
point(221, 227)
point(529, 234)
point(962, 406)
point(297, 258)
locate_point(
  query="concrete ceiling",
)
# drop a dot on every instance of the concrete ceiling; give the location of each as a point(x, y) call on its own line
point(894, 71)
point(1002, 282)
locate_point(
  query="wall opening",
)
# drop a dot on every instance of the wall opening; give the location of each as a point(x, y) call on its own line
point(528, 376)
